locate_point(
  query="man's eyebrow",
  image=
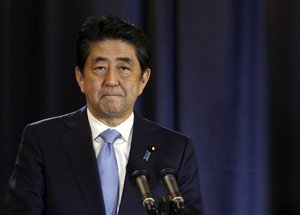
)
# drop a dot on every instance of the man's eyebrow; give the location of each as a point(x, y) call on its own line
point(104, 59)
point(98, 59)
point(125, 59)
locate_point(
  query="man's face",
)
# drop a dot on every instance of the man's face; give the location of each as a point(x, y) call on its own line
point(111, 80)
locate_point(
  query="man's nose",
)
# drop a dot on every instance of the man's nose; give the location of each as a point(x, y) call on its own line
point(111, 77)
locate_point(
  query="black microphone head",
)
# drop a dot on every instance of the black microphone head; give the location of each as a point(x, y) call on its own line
point(136, 168)
point(163, 167)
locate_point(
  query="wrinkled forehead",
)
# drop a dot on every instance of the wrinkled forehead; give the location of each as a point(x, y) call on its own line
point(108, 50)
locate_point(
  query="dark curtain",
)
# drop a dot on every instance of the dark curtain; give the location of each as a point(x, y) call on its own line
point(224, 72)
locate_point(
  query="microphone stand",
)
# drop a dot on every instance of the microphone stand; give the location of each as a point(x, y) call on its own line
point(151, 209)
point(176, 205)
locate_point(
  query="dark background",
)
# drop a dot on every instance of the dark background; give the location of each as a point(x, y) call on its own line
point(225, 72)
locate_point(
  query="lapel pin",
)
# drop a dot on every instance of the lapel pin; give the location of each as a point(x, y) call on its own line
point(148, 152)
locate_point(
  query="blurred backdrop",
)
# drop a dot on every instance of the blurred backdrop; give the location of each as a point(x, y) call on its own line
point(224, 72)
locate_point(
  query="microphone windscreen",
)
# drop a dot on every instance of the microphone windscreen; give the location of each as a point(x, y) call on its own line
point(162, 167)
point(136, 168)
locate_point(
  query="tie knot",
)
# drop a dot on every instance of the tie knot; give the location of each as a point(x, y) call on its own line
point(110, 135)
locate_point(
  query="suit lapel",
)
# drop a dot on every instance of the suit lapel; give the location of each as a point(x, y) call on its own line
point(79, 149)
point(131, 197)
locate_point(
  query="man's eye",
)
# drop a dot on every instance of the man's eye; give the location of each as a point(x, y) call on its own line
point(100, 69)
point(124, 68)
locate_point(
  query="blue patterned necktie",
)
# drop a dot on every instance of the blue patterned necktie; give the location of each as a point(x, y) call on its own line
point(108, 171)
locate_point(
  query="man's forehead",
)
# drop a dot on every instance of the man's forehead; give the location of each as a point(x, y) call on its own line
point(111, 44)
point(112, 50)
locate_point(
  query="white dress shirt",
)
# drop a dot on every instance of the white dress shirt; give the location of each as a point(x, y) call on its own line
point(121, 145)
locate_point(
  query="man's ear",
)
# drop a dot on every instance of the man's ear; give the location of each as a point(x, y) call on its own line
point(145, 79)
point(79, 79)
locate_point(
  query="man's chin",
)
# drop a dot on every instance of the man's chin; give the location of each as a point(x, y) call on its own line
point(113, 111)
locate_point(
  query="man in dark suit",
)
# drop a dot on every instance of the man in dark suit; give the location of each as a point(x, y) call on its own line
point(58, 165)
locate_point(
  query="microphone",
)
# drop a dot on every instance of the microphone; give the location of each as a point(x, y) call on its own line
point(139, 177)
point(167, 174)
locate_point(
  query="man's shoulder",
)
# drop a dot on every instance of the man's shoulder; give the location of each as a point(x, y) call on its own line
point(63, 119)
point(154, 128)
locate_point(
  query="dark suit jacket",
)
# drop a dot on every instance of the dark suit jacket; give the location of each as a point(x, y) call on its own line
point(56, 169)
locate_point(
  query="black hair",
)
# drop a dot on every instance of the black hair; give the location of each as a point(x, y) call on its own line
point(110, 27)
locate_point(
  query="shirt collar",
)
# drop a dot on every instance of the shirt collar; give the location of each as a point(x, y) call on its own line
point(97, 127)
